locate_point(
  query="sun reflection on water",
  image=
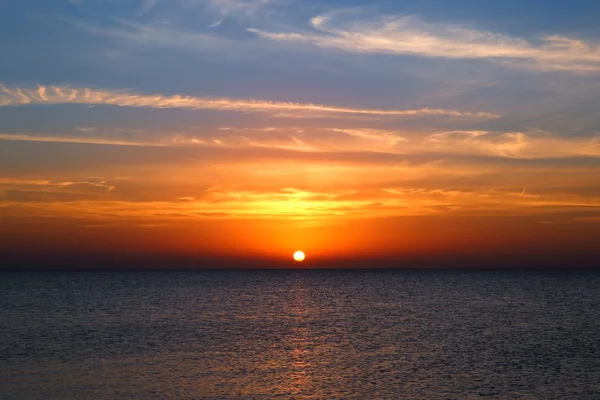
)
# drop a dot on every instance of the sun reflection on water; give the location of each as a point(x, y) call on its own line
point(300, 351)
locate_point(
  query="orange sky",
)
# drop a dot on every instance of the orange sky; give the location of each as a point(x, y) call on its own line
point(183, 200)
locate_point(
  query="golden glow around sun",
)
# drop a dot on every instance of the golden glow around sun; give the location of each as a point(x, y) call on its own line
point(299, 256)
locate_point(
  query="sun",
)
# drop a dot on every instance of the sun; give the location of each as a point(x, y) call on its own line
point(299, 256)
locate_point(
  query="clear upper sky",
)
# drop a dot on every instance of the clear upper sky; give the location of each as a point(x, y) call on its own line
point(195, 125)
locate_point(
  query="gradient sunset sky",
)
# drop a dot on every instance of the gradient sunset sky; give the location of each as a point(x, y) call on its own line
point(346, 128)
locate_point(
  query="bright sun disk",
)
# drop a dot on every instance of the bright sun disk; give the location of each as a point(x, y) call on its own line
point(299, 256)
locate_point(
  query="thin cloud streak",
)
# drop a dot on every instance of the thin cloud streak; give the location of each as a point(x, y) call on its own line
point(389, 138)
point(410, 36)
point(291, 202)
point(245, 7)
point(18, 96)
point(48, 184)
point(515, 145)
point(538, 144)
point(75, 140)
point(147, 5)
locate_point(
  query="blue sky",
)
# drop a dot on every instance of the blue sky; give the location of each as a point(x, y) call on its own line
point(410, 108)
point(211, 48)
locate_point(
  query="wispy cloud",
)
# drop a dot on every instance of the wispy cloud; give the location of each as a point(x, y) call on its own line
point(17, 96)
point(247, 7)
point(387, 138)
point(532, 144)
point(535, 144)
point(74, 139)
point(411, 36)
point(144, 34)
point(147, 5)
point(23, 189)
point(161, 34)
point(287, 202)
point(356, 31)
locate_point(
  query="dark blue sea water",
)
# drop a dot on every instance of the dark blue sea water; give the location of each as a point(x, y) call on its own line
point(300, 335)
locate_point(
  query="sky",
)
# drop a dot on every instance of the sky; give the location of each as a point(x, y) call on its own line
point(345, 128)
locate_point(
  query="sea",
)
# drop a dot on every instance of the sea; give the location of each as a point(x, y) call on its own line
point(299, 335)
